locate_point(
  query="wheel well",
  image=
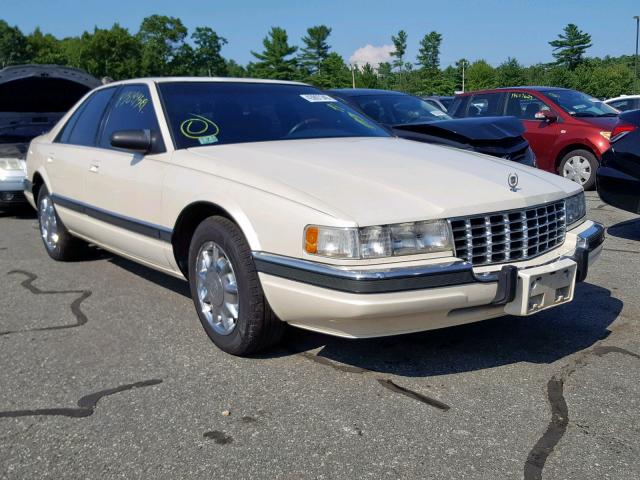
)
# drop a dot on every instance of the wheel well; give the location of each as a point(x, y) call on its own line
point(38, 182)
point(186, 225)
point(569, 148)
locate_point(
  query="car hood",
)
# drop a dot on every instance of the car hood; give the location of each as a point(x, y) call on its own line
point(34, 97)
point(461, 129)
point(379, 180)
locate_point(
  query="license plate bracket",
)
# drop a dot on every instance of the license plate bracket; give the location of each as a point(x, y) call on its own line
point(544, 287)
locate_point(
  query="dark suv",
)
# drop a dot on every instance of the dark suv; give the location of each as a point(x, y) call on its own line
point(567, 130)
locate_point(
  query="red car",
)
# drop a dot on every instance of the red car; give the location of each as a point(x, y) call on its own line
point(567, 130)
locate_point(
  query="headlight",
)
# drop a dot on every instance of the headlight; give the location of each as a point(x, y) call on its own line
point(379, 241)
point(575, 208)
point(12, 164)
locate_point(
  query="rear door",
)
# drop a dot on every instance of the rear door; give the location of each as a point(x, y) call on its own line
point(125, 188)
point(69, 156)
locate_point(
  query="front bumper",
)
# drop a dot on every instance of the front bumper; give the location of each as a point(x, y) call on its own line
point(11, 188)
point(618, 189)
point(368, 303)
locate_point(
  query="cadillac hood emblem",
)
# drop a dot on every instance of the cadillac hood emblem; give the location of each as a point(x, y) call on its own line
point(512, 179)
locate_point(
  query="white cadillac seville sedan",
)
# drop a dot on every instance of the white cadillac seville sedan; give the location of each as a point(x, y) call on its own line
point(281, 205)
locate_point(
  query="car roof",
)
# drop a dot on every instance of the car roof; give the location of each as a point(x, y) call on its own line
point(151, 80)
point(357, 92)
point(524, 88)
point(622, 97)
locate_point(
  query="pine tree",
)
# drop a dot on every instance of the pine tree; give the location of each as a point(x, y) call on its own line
point(400, 44)
point(570, 47)
point(316, 49)
point(273, 61)
point(429, 53)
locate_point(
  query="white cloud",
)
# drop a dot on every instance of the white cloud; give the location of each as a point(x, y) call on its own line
point(371, 55)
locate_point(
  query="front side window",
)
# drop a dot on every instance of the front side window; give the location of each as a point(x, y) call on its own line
point(84, 127)
point(524, 105)
point(132, 109)
point(577, 104)
point(399, 109)
point(217, 113)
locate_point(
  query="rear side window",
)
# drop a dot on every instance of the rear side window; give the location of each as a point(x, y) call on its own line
point(85, 128)
point(132, 109)
point(459, 106)
point(524, 105)
point(485, 105)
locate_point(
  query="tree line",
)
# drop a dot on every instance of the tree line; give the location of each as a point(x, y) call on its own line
point(163, 46)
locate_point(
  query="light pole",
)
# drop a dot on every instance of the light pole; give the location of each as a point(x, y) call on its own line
point(637, 18)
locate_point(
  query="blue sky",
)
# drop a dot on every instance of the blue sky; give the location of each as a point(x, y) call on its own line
point(489, 29)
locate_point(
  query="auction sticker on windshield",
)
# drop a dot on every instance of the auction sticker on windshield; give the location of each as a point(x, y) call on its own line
point(318, 98)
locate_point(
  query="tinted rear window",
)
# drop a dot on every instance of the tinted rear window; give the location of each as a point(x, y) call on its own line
point(208, 113)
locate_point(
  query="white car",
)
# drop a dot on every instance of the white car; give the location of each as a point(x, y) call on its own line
point(624, 103)
point(280, 205)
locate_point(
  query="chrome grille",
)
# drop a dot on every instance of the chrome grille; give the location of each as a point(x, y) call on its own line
point(509, 236)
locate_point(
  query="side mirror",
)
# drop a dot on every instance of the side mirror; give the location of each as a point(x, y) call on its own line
point(546, 115)
point(138, 141)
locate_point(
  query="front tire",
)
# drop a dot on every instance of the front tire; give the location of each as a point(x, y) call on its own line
point(226, 290)
point(58, 242)
point(579, 166)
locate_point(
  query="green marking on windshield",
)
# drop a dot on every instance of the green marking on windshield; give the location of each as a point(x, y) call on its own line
point(198, 127)
point(360, 120)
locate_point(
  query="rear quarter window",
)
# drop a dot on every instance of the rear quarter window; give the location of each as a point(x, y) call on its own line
point(84, 123)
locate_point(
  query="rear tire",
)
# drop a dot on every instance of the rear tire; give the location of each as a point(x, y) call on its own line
point(58, 242)
point(579, 166)
point(226, 290)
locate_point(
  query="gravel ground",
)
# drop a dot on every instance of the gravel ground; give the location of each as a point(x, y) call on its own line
point(107, 373)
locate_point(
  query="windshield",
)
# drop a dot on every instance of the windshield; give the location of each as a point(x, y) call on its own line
point(399, 109)
point(578, 104)
point(207, 113)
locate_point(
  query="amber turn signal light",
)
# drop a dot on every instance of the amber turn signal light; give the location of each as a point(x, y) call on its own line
point(311, 240)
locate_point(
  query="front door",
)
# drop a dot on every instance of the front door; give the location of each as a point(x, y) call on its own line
point(125, 188)
point(540, 133)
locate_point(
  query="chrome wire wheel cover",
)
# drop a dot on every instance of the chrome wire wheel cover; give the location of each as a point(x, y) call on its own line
point(217, 289)
point(578, 169)
point(48, 223)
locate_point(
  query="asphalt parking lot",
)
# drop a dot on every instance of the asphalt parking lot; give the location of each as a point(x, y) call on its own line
point(107, 373)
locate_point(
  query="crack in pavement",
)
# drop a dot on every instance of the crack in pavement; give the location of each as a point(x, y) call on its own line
point(385, 382)
point(86, 404)
point(390, 385)
point(560, 411)
point(81, 318)
point(620, 250)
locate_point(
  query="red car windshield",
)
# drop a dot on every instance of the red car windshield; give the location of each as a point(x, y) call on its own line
point(578, 104)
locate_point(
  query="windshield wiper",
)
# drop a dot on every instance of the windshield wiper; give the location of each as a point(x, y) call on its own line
point(583, 114)
point(608, 115)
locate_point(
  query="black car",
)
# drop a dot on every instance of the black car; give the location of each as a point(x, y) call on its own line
point(32, 100)
point(618, 178)
point(412, 118)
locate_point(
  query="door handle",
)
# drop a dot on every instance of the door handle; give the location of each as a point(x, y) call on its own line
point(50, 159)
point(94, 167)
